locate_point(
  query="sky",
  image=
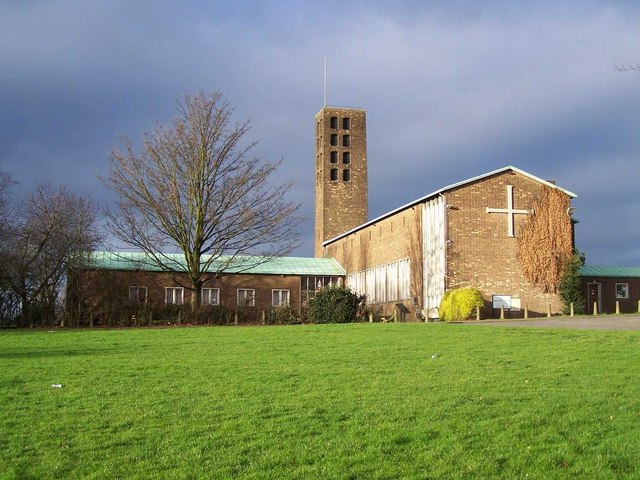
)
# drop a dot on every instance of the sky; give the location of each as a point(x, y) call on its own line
point(452, 90)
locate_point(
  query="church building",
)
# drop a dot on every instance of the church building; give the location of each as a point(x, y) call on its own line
point(467, 234)
point(463, 235)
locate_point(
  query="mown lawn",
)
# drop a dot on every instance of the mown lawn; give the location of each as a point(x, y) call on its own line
point(331, 401)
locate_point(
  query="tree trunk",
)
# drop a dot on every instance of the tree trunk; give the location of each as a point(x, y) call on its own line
point(196, 294)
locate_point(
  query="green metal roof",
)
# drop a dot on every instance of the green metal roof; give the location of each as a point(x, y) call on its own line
point(593, 271)
point(241, 264)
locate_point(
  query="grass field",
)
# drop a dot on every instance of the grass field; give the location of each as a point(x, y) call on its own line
point(331, 401)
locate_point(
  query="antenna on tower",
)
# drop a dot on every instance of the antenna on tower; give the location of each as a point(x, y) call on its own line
point(325, 83)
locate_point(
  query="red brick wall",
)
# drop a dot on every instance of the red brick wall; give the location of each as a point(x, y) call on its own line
point(608, 294)
point(113, 285)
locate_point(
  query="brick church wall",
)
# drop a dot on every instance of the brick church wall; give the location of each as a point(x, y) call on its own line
point(388, 240)
point(480, 254)
point(341, 204)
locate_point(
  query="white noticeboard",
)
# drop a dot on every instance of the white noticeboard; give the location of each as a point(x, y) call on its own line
point(515, 304)
point(502, 301)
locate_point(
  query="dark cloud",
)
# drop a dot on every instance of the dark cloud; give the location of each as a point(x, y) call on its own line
point(452, 90)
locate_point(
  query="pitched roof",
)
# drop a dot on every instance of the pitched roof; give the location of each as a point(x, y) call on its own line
point(244, 264)
point(446, 189)
point(595, 271)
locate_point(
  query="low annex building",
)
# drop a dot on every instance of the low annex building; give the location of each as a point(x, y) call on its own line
point(603, 287)
point(117, 279)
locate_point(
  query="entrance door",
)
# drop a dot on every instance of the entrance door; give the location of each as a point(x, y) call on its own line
point(593, 296)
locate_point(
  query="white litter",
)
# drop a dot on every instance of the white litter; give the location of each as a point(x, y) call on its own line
point(56, 385)
point(434, 356)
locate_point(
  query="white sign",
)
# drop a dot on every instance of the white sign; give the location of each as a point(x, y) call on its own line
point(503, 301)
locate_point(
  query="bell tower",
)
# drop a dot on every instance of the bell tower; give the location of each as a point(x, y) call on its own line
point(341, 172)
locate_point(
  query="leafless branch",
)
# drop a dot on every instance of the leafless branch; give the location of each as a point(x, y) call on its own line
point(196, 187)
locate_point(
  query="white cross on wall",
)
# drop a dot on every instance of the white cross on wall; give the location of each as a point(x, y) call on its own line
point(509, 211)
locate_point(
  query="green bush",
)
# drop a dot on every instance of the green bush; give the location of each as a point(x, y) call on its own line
point(460, 304)
point(336, 304)
point(569, 288)
point(281, 315)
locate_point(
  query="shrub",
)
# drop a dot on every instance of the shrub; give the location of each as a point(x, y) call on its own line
point(281, 315)
point(460, 304)
point(336, 304)
point(569, 288)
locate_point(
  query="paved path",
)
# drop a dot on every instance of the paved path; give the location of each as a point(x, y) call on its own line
point(604, 322)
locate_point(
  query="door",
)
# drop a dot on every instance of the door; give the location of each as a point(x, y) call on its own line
point(593, 296)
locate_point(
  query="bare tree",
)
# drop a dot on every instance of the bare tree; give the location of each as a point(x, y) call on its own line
point(195, 187)
point(53, 230)
point(9, 306)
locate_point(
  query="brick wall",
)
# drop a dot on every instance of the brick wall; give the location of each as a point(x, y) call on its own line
point(340, 205)
point(607, 292)
point(480, 254)
point(112, 287)
point(389, 240)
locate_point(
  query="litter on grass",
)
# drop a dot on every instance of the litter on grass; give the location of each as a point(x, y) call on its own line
point(434, 356)
point(56, 385)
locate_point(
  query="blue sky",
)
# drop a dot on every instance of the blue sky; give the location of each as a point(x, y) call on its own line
point(452, 90)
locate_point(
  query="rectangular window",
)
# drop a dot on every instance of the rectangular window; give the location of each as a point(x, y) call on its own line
point(346, 175)
point(279, 297)
point(174, 295)
point(334, 139)
point(210, 296)
point(622, 290)
point(334, 174)
point(346, 140)
point(334, 122)
point(346, 123)
point(384, 283)
point(246, 297)
point(334, 157)
point(346, 157)
point(138, 295)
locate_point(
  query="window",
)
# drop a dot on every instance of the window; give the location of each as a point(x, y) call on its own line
point(622, 290)
point(310, 285)
point(346, 123)
point(346, 157)
point(246, 297)
point(334, 174)
point(334, 139)
point(279, 297)
point(384, 283)
point(346, 140)
point(210, 296)
point(334, 122)
point(334, 157)
point(346, 175)
point(138, 295)
point(174, 295)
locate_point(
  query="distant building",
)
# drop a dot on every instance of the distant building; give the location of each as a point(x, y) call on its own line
point(114, 281)
point(603, 287)
point(464, 234)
